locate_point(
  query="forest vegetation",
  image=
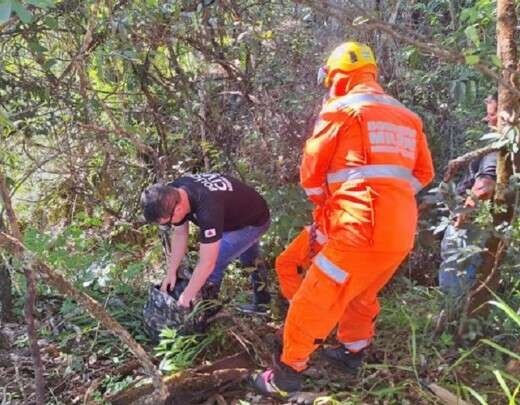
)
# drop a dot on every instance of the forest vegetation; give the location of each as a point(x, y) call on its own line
point(100, 98)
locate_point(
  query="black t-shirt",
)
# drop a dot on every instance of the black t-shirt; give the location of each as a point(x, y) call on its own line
point(220, 204)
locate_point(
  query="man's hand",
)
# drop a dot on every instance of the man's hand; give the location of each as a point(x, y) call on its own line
point(168, 283)
point(463, 216)
point(184, 301)
point(483, 189)
point(207, 259)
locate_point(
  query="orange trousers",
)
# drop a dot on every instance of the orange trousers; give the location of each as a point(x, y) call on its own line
point(341, 289)
point(294, 261)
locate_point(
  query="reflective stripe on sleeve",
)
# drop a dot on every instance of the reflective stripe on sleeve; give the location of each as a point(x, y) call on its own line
point(360, 99)
point(330, 269)
point(347, 101)
point(314, 191)
point(321, 238)
point(375, 171)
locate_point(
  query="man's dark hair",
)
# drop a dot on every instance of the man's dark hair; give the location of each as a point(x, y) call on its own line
point(158, 201)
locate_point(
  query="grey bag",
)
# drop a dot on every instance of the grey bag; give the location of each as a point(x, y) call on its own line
point(161, 310)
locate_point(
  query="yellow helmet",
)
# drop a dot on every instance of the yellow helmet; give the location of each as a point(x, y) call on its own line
point(347, 57)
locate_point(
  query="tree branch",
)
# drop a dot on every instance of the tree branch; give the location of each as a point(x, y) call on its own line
point(454, 165)
point(406, 36)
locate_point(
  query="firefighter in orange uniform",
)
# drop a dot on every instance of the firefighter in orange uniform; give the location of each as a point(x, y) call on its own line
point(363, 165)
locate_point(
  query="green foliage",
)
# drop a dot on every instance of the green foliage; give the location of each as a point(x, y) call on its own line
point(179, 352)
point(90, 91)
point(114, 384)
point(16, 6)
point(507, 394)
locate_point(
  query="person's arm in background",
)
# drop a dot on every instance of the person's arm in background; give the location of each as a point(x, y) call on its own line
point(485, 180)
point(208, 254)
point(484, 186)
point(179, 244)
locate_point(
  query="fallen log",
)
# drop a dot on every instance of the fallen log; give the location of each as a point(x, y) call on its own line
point(183, 388)
point(198, 383)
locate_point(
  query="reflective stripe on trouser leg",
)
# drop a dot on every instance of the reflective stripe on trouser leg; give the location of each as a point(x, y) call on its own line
point(357, 345)
point(330, 268)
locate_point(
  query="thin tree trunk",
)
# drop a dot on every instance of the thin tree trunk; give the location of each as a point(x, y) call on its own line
point(31, 296)
point(203, 131)
point(6, 296)
point(508, 107)
point(33, 336)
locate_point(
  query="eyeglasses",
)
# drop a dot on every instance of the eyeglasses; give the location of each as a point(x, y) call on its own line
point(168, 223)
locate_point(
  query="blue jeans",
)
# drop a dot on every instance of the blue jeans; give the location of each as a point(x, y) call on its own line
point(457, 273)
point(242, 244)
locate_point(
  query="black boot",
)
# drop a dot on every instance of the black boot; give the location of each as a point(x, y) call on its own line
point(342, 358)
point(279, 382)
point(261, 297)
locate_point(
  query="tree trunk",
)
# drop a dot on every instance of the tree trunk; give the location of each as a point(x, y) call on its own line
point(6, 297)
point(508, 108)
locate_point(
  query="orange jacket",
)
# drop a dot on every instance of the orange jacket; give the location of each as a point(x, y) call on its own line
point(365, 161)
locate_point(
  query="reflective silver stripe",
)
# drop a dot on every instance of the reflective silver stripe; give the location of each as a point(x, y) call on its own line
point(320, 237)
point(416, 184)
point(330, 269)
point(347, 101)
point(357, 345)
point(313, 191)
point(372, 171)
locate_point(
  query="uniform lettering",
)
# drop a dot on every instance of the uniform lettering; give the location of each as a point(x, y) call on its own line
point(390, 138)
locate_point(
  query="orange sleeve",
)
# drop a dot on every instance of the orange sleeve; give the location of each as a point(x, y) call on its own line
point(317, 154)
point(423, 170)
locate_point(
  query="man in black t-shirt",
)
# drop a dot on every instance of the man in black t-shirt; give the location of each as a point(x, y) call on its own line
point(231, 217)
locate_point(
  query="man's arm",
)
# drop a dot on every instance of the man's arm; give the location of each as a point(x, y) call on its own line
point(484, 186)
point(207, 259)
point(179, 244)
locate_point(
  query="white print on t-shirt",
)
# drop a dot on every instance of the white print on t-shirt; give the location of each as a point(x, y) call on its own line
point(213, 181)
point(208, 233)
